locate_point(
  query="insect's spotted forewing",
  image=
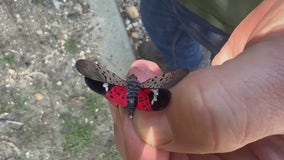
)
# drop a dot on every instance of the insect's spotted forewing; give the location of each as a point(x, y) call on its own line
point(103, 81)
point(97, 72)
point(166, 80)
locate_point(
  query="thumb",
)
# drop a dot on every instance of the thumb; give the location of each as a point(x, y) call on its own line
point(217, 109)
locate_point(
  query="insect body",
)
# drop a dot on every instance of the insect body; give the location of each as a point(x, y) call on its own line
point(133, 87)
point(151, 95)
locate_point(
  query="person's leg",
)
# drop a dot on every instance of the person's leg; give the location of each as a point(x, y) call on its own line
point(176, 32)
point(178, 49)
point(199, 29)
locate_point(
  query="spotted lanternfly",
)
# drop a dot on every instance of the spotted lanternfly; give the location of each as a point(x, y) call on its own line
point(151, 95)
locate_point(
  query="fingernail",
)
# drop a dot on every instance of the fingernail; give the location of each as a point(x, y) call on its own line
point(153, 127)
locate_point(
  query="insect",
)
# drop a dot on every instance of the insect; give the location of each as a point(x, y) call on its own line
point(151, 95)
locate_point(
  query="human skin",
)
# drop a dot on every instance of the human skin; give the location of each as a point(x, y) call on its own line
point(231, 110)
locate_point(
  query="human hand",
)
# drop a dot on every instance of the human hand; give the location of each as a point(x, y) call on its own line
point(232, 110)
point(190, 127)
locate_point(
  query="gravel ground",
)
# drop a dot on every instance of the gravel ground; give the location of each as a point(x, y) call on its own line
point(129, 10)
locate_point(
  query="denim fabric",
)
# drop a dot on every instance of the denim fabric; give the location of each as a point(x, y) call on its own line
point(178, 33)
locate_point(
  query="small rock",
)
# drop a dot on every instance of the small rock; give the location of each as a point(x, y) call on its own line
point(78, 8)
point(57, 4)
point(132, 12)
point(128, 27)
point(27, 154)
point(78, 101)
point(127, 21)
point(39, 32)
point(61, 42)
point(39, 96)
point(135, 24)
point(11, 71)
point(59, 83)
point(134, 35)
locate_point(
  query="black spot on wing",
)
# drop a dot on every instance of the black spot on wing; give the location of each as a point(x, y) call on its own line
point(163, 99)
point(167, 80)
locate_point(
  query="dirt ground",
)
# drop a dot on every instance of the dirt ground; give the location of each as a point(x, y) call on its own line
point(39, 86)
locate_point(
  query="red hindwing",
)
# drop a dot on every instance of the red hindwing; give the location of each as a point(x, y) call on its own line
point(143, 100)
point(117, 95)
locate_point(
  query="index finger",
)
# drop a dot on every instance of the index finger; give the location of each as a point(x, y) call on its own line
point(144, 70)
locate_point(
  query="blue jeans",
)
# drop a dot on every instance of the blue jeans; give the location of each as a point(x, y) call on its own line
point(178, 33)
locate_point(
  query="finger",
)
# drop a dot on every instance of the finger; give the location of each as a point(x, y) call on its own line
point(144, 70)
point(130, 145)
